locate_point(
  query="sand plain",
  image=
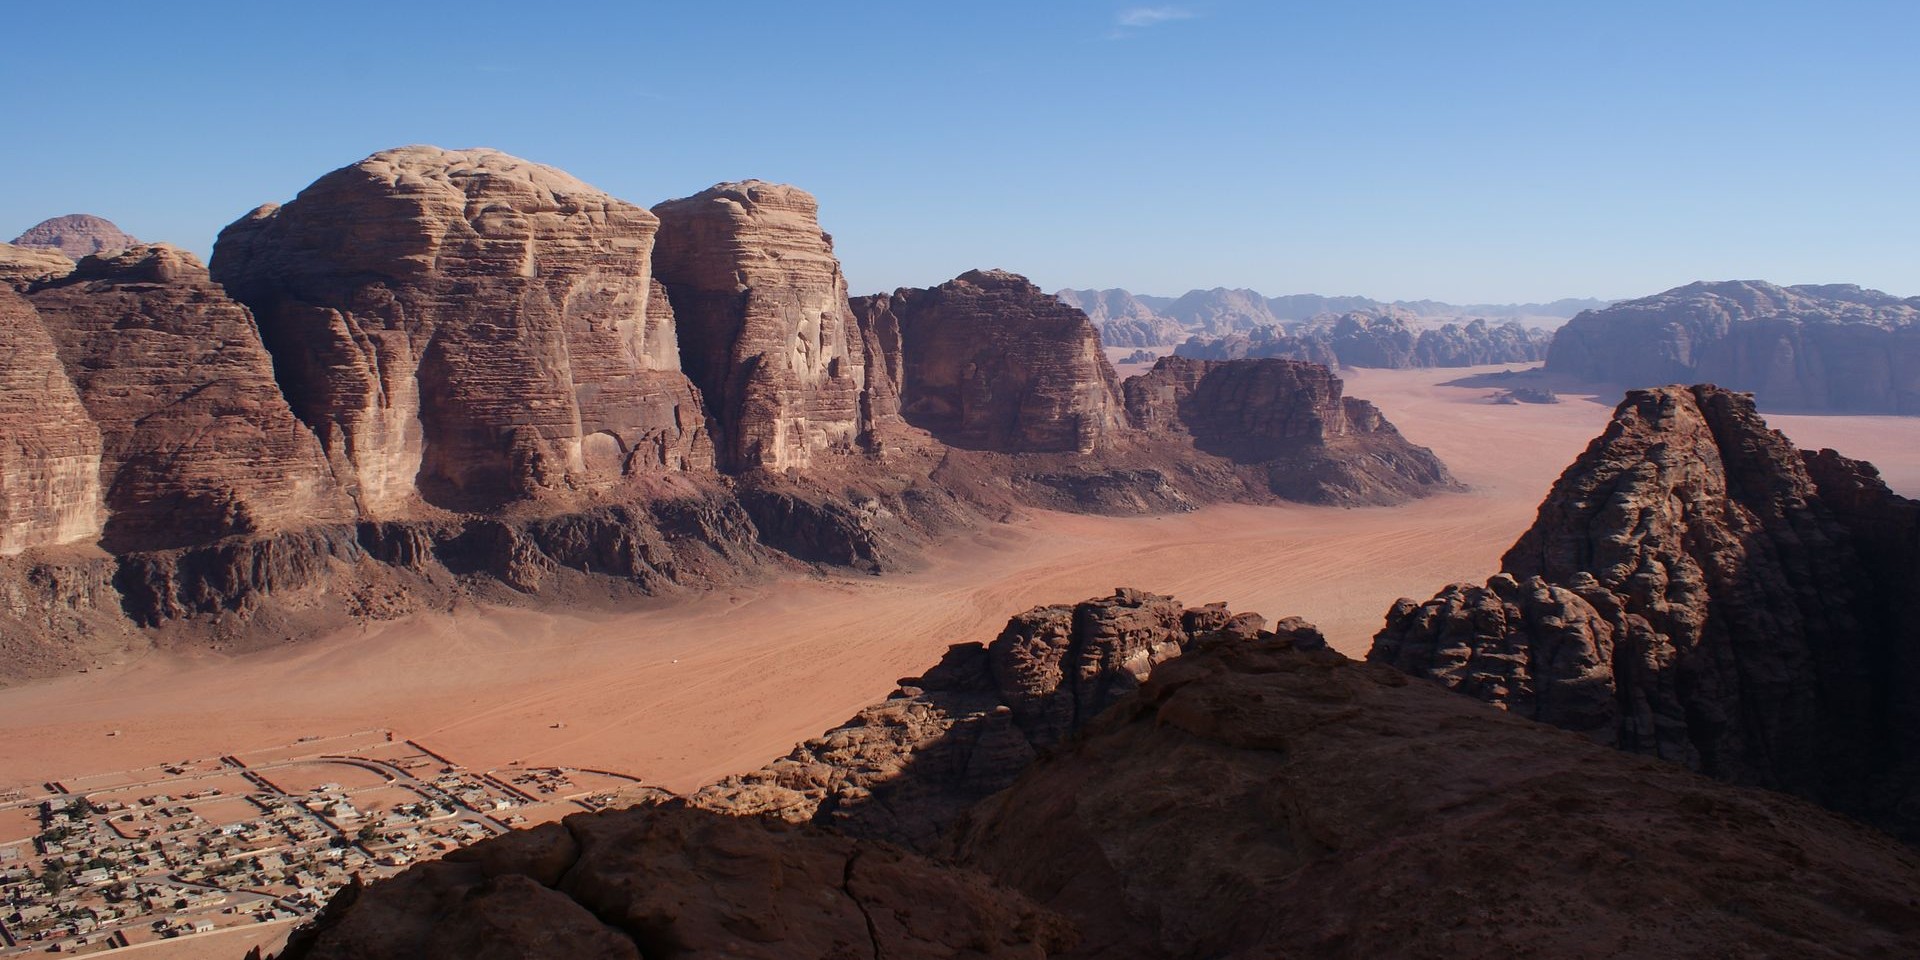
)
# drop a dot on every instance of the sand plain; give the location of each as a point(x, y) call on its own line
point(690, 692)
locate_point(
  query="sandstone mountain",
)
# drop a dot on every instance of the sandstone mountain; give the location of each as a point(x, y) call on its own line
point(1138, 320)
point(1698, 590)
point(1829, 347)
point(437, 375)
point(1386, 339)
point(466, 328)
point(770, 339)
point(992, 363)
point(1122, 319)
point(1250, 798)
point(1289, 420)
point(77, 235)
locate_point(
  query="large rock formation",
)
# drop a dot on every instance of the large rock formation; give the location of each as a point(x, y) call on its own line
point(1386, 338)
point(468, 327)
point(1122, 319)
point(77, 235)
point(1220, 311)
point(767, 332)
point(197, 441)
point(1259, 795)
point(21, 266)
point(1256, 799)
point(49, 446)
point(905, 769)
point(1698, 590)
point(1825, 347)
point(661, 882)
point(992, 363)
point(1290, 420)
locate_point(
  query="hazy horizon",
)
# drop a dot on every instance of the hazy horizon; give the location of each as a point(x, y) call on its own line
point(1484, 153)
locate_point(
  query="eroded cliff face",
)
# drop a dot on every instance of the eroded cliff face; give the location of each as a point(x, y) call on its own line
point(991, 363)
point(1385, 338)
point(765, 326)
point(1813, 347)
point(1247, 797)
point(468, 328)
point(1291, 420)
point(197, 441)
point(49, 447)
point(1698, 590)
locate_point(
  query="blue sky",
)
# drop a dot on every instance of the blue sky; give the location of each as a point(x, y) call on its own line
point(1467, 151)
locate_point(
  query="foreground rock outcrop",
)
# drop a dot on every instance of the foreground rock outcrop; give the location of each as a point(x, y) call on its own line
point(77, 235)
point(1288, 420)
point(905, 769)
point(1814, 347)
point(1698, 590)
point(676, 883)
point(1257, 795)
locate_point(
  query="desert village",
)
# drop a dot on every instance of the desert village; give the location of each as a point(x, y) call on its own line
point(114, 860)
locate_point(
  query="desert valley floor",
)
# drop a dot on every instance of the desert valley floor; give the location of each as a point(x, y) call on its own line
point(681, 694)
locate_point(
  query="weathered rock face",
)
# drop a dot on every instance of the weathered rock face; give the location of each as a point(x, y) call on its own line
point(1220, 311)
point(77, 235)
point(991, 363)
point(468, 327)
point(49, 447)
point(905, 769)
point(1378, 338)
point(1256, 799)
point(765, 326)
point(1826, 347)
point(1290, 418)
point(197, 441)
point(1478, 342)
point(664, 882)
point(1122, 319)
point(20, 266)
point(1698, 590)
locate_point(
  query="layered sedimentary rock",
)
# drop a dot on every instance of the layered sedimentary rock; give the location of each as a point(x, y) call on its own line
point(1383, 339)
point(20, 266)
point(1698, 590)
point(991, 363)
point(77, 235)
point(765, 326)
point(468, 327)
point(1251, 798)
point(197, 442)
point(905, 769)
point(1289, 418)
point(657, 882)
point(1122, 319)
point(1816, 347)
point(49, 446)
point(1220, 311)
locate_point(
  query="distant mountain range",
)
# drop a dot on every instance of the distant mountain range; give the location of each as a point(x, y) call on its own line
point(1129, 319)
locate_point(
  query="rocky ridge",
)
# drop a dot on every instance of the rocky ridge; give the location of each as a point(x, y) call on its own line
point(1696, 589)
point(1249, 798)
point(1386, 339)
point(76, 236)
point(437, 375)
point(1816, 347)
